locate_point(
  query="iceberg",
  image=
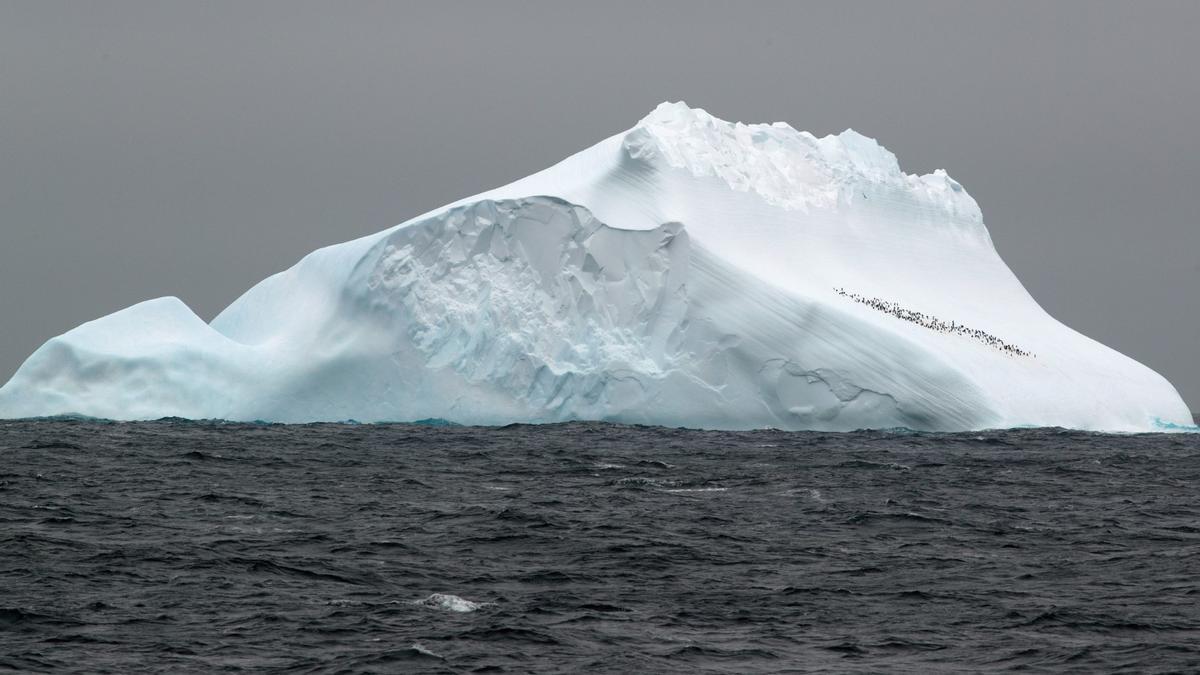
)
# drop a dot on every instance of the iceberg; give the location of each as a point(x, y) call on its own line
point(686, 272)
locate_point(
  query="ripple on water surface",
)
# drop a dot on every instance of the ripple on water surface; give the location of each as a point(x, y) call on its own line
point(176, 546)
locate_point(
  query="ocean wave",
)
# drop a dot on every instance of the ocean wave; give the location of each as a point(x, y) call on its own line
point(450, 603)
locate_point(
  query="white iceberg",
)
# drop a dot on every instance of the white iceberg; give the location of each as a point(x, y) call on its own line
point(687, 272)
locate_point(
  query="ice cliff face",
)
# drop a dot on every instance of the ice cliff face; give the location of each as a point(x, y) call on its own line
point(687, 272)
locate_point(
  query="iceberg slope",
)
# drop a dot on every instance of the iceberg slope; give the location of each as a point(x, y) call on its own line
point(686, 272)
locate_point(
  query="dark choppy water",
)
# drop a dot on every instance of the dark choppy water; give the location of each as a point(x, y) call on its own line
point(173, 546)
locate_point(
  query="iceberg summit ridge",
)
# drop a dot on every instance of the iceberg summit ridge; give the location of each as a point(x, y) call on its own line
point(685, 272)
point(789, 168)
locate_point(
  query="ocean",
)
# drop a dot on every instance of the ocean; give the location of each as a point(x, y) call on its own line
point(176, 546)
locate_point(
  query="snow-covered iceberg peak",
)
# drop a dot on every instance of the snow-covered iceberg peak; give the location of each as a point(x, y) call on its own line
point(687, 271)
point(789, 168)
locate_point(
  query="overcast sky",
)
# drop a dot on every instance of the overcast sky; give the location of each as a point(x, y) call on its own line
point(191, 149)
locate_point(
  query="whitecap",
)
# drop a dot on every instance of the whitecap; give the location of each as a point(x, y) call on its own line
point(450, 603)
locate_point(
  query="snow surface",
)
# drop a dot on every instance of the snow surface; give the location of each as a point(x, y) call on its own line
point(687, 272)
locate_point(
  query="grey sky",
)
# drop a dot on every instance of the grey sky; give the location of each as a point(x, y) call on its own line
point(191, 149)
